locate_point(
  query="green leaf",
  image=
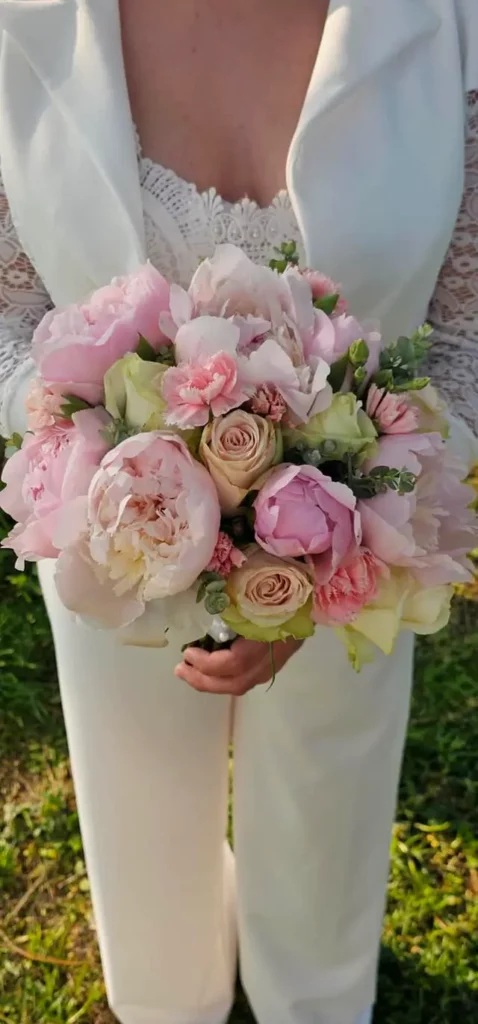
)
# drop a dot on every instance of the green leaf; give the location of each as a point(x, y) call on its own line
point(417, 384)
point(328, 303)
point(72, 405)
point(13, 444)
point(145, 351)
point(337, 372)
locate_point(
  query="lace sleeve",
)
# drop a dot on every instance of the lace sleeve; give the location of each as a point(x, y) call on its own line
point(453, 360)
point(23, 303)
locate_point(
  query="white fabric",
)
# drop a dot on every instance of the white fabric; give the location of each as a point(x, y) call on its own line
point(375, 176)
point(151, 772)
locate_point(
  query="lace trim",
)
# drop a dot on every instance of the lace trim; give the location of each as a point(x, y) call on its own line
point(23, 303)
point(454, 307)
point(203, 220)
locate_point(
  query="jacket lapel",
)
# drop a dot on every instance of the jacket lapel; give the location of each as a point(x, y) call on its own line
point(360, 38)
point(351, 96)
point(67, 145)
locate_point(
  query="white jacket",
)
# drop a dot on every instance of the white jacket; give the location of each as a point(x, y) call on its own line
point(375, 168)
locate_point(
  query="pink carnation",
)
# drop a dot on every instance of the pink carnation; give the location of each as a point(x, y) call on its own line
point(268, 401)
point(193, 390)
point(43, 405)
point(323, 286)
point(226, 556)
point(391, 413)
point(338, 598)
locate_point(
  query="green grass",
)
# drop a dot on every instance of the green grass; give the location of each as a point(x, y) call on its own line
point(429, 969)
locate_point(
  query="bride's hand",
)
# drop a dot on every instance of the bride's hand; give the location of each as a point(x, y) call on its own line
point(237, 670)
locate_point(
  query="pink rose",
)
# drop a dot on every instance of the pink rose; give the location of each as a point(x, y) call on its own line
point(338, 598)
point(43, 405)
point(149, 527)
point(430, 530)
point(76, 345)
point(301, 511)
point(391, 413)
point(226, 556)
point(44, 479)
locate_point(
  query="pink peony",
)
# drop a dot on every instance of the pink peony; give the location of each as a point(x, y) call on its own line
point(76, 345)
point(323, 286)
point(43, 405)
point(230, 284)
point(392, 414)
point(148, 528)
point(268, 401)
point(301, 511)
point(430, 530)
point(338, 598)
point(44, 479)
point(226, 556)
point(305, 390)
point(332, 336)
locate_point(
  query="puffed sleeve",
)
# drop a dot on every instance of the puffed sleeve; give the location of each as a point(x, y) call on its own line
point(453, 359)
point(23, 303)
point(467, 16)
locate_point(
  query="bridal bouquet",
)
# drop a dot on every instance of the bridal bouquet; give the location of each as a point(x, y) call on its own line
point(246, 441)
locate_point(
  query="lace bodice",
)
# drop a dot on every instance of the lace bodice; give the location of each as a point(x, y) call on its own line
point(183, 226)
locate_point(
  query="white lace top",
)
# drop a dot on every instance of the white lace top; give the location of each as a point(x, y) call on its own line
point(184, 225)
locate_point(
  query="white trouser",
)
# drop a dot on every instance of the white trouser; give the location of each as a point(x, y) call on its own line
point(317, 761)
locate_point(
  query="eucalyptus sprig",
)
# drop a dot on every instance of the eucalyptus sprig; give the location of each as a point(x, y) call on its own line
point(354, 363)
point(212, 590)
point(288, 256)
point(380, 480)
point(400, 362)
point(117, 431)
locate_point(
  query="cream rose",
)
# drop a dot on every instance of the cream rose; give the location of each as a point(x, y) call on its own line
point(237, 449)
point(133, 392)
point(271, 598)
point(402, 603)
point(343, 426)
